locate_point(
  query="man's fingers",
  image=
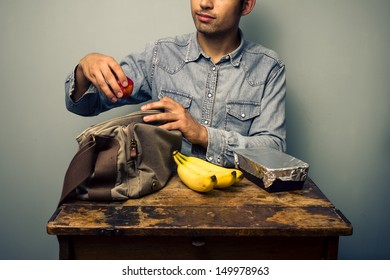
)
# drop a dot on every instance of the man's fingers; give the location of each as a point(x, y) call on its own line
point(102, 84)
point(169, 117)
point(113, 84)
point(104, 72)
point(118, 72)
point(165, 103)
point(111, 80)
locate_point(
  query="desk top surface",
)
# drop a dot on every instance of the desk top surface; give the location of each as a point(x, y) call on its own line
point(241, 210)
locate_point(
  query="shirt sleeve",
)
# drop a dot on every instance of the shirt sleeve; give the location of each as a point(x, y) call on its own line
point(94, 102)
point(88, 104)
point(268, 129)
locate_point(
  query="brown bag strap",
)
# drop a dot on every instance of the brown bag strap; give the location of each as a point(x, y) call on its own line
point(95, 157)
point(105, 171)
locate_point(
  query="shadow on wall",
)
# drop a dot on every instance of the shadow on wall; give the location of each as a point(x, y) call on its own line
point(263, 29)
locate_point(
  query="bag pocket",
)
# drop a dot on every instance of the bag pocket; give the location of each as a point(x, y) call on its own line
point(154, 162)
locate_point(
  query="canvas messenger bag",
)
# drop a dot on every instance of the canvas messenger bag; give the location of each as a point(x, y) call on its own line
point(121, 158)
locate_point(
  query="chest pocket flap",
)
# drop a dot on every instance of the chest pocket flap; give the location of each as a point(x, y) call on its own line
point(243, 110)
point(183, 98)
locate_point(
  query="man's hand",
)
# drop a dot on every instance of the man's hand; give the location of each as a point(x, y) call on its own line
point(177, 118)
point(102, 71)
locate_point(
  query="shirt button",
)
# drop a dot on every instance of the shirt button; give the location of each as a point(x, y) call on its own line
point(210, 158)
point(210, 95)
point(218, 160)
point(227, 57)
point(214, 68)
point(243, 115)
point(206, 122)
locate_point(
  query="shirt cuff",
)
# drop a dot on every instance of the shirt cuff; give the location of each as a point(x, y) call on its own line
point(70, 85)
point(83, 106)
point(217, 147)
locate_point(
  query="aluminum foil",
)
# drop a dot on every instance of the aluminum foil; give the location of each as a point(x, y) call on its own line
point(269, 165)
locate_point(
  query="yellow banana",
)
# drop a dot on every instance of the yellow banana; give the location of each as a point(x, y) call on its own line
point(225, 179)
point(225, 176)
point(204, 164)
point(200, 182)
point(239, 175)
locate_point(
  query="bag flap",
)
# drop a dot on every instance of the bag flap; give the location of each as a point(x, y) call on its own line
point(135, 117)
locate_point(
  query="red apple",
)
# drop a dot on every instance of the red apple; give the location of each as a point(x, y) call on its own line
point(126, 90)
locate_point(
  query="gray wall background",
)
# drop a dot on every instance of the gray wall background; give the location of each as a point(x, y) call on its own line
point(337, 57)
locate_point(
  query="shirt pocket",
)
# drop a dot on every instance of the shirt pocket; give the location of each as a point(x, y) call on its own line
point(180, 97)
point(240, 114)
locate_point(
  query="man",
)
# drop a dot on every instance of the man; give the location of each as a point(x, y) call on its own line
point(219, 90)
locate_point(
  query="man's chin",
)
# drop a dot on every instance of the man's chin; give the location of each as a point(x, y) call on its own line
point(205, 31)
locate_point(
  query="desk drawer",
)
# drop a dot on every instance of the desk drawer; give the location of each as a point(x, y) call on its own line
point(138, 247)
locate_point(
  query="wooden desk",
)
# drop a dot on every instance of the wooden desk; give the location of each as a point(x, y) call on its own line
point(241, 222)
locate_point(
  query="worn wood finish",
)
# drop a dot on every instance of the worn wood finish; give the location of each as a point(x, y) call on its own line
point(260, 222)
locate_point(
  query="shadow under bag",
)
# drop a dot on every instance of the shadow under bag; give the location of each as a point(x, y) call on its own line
point(121, 158)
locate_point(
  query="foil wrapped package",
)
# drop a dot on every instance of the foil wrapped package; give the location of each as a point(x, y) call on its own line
point(271, 169)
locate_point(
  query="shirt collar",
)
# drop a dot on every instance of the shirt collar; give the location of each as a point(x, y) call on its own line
point(194, 51)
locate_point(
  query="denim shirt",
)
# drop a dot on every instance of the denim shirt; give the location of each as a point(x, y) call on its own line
point(240, 99)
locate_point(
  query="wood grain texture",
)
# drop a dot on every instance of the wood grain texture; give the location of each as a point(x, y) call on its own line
point(241, 222)
point(242, 210)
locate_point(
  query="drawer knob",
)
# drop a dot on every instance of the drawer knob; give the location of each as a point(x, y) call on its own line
point(198, 242)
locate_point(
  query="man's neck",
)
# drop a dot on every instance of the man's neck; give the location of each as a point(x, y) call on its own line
point(218, 46)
